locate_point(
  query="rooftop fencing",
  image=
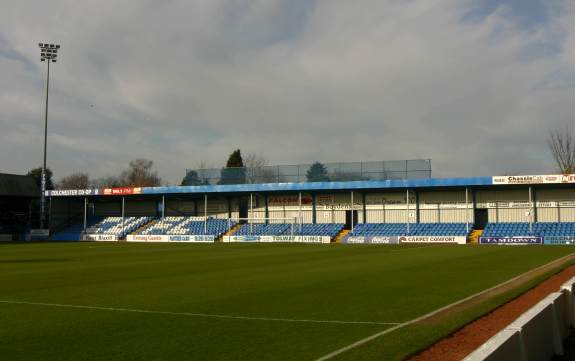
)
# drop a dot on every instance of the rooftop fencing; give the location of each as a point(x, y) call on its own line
point(317, 172)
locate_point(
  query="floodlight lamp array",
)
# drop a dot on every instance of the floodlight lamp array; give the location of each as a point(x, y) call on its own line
point(48, 52)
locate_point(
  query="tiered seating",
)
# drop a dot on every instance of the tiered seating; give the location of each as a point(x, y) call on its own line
point(282, 229)
point(189, 226)
point(540, 229)
point(113, 225)
point(415, 229)
point(320, 229)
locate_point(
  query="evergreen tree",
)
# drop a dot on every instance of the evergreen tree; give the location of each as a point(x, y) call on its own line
point(234, 172)
point(317, 173)
point(36, 173)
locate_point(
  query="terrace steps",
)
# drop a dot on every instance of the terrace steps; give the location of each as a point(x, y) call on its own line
point(474, 236)
point(145, 226)
point(231, 232)
point(341, 235)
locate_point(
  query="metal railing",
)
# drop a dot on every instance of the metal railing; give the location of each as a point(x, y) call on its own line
point(317, 172)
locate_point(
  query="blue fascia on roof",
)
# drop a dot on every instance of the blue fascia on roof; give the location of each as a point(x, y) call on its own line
point(323, 186)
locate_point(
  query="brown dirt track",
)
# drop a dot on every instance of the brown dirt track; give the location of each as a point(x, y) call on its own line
point(464, 341)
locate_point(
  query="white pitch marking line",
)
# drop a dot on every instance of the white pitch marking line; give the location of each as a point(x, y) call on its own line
point(205, 315)
point(433, 313)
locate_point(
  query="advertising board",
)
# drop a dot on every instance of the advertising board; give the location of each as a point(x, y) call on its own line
point(511, 240)
point(535, 179)
point(371, 240)
point(558, 240)
point(433, 239)
point(38, 235)
point(288, 200)
point(73, 192)
point(5, 238)
point(99, 237)
point(121, 191)
point(294, 239)
point(169, 238)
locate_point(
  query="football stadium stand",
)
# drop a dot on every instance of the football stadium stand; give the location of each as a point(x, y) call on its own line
point(483, 210)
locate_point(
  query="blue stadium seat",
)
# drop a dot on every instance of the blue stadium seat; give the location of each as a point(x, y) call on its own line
point(415, 229)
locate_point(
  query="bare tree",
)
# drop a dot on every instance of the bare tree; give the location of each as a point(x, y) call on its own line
point(140, 174)
point(562, 146)
point(74, 181)
point(258, 170)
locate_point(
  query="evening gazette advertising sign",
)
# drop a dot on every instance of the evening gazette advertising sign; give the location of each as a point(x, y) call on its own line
point(535, 179)
point(170, 238)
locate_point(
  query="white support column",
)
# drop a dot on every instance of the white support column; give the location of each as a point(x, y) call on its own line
point(531, 210)
point(85, 213)
point(407, 210)
point(163, 214)
point(299, 211)
point(466, 210)
point(250, 213)
point(123, 208)
point(352, 208)
point(205, 213)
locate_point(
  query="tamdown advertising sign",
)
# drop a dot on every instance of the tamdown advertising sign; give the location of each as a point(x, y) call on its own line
point(511, 240)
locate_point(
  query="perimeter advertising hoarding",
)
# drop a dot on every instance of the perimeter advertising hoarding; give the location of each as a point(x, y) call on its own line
point(511, 240)
point(170, 238)
point(558, 240)
point(535, 179)
point(371, 240)
point(433, 239)
point(294, 239)
point(73, 192)
point(99, 237)
point(121, 191)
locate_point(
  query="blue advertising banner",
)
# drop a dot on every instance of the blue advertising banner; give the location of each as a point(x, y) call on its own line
point(510, 240)
point(559, 240)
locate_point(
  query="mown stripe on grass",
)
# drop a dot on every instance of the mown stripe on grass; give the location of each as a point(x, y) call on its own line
point(190, 314)
point(437, 311)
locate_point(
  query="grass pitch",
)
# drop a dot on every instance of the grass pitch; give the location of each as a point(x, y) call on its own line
point(118, 301)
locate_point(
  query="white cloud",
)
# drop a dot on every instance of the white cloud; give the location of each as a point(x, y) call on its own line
point(180, 82)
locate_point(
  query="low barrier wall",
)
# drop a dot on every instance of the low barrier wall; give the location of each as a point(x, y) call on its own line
point(5, 237)
point(538, 334)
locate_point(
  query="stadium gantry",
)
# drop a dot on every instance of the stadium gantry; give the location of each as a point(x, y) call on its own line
point(502, 209)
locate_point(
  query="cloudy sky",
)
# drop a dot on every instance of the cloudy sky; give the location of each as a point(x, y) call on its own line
point(475, 85)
